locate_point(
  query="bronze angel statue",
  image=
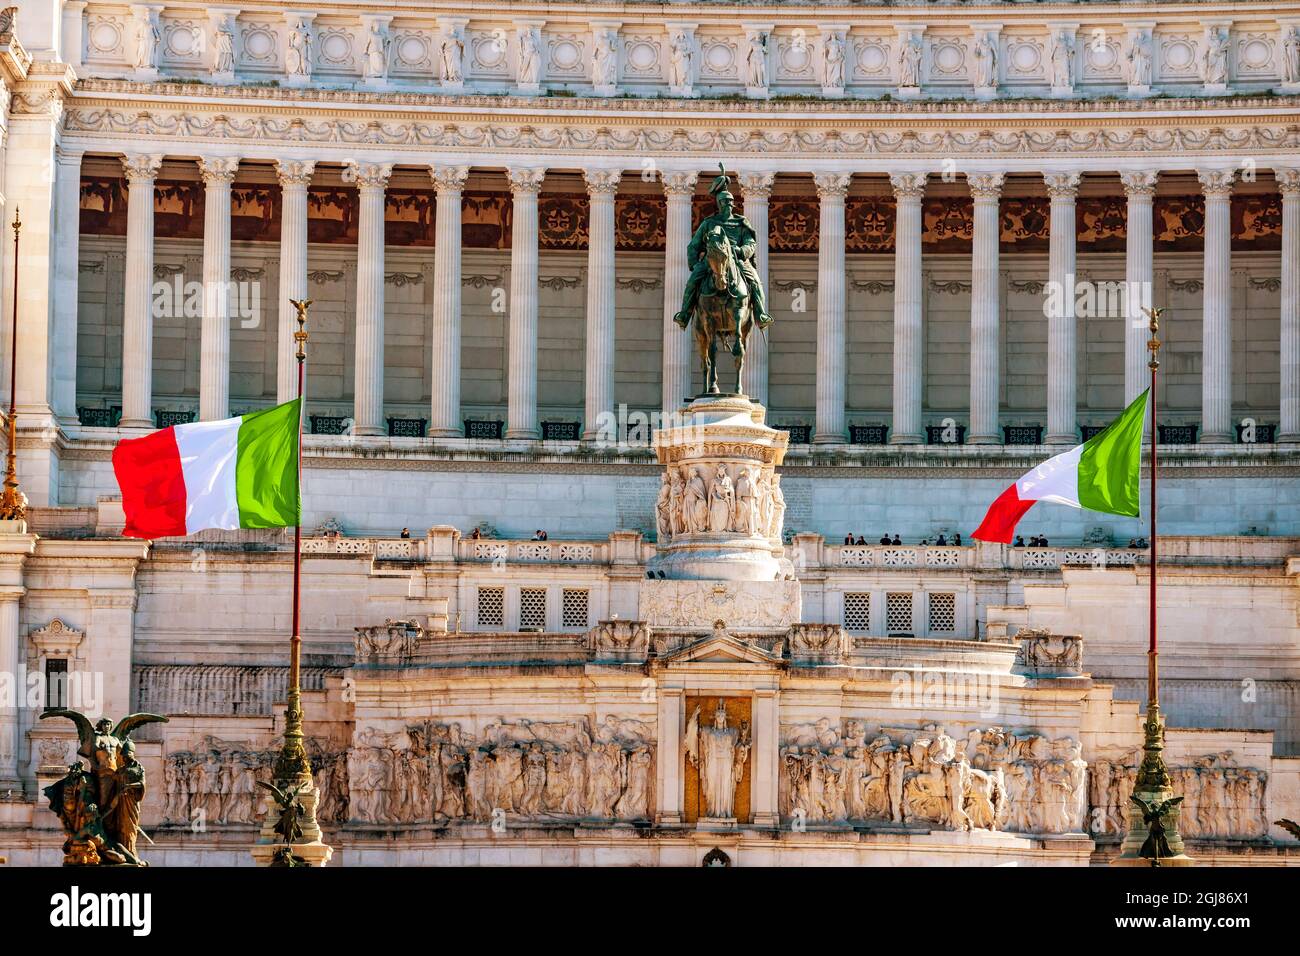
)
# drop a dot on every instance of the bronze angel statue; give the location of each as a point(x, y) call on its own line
point(100, 805)
point(289, 823)
point(1156, 846)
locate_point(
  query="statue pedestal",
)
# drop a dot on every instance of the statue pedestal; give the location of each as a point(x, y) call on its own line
point(1130, 851)
point(312, 849)
point(720, 509)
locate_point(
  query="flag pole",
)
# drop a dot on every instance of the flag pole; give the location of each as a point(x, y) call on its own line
point(12, 505)
point(1153, 838)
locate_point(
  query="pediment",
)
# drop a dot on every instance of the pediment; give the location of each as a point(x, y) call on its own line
point(719, 648)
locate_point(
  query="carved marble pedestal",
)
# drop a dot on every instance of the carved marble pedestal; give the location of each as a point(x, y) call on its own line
point(720, 509)
point(312, 849)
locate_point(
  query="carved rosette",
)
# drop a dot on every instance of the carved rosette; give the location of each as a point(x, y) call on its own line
point(720, 510)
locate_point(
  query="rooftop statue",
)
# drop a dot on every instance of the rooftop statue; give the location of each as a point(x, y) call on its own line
point(724, 293)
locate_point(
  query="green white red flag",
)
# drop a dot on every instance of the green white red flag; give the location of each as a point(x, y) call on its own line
point(1103, 474)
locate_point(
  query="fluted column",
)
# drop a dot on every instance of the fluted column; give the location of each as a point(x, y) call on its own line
point(1288, 181)
point(137, 309)
point(679, 188)
point(368, 382)
point(1062, 361)
point(601, 186)
point(521, 413)
point(214, 350)
point(1216, 324)
point(757, 190)
point(444, 415)
point(909, 342)
point(986, 188)
point(67, 227)
point(832, 188)
point(295, 178)
point(9, 637)
point(1140, 187)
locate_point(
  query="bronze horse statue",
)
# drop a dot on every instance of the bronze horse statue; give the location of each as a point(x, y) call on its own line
point(724, 310)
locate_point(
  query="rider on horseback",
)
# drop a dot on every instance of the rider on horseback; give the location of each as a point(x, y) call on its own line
point(743, 240)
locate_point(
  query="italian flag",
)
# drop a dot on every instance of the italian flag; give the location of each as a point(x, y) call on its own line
point(235, 473)
point(1103, 474)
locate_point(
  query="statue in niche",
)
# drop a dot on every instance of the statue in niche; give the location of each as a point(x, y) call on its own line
point(1291, 55)
point(756, 62)
point(147, 39)
point(986, 61)
point(676, 523)
point(1062, 60)
point(604, 61)
point(224, 45)
point(909, 63)
point(681, 55)
point(663, 509)
point(746, 504)
point(1216, 57)
point(298, 57)
point(451, 54)
point(376, 53)
point(1139, 61)
point(530, 61)
point(719, 753)
point(833, 62)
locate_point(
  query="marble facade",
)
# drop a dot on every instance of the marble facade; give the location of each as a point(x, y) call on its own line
point(488, 210)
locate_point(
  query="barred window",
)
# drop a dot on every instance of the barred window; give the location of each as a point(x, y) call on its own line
point(491, 607)
point(573, 613)
point(857, 611)
point(532, 608)
point(943, 612)
point(56, 682)
point(898, 612)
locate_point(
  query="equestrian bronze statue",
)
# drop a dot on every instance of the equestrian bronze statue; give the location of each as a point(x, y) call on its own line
point(724, 294)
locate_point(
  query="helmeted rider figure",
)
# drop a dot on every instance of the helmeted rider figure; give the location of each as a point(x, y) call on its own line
point(744, 241)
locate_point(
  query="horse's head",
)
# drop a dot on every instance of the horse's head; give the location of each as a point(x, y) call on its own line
point(717, 253)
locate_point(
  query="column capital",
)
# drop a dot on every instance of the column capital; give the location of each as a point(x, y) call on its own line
point(1216, 182)
point(525, 179)
point(141, 167)
point(367, 175)
point(602, 182)
point(908, 185)
point(1288, 179)
point(1062, 185)
point(755, 184)
point(218, 170)
point(68, 155)
point(1139, 182)
point(832, 185)
point(680, 182)
point(295, 172)
point(986, 185)
point(449, 178)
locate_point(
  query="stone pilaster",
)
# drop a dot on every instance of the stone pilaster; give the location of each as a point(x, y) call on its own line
point(214, 350)
point(521, 414)
point(668, 782)
point(909, 340)
point(756, 188)
point(137, 310)
point(295, 177)
point(67, 228)
point(1140, 187)
point(444, 415)
point(1062, 361)
point(832, 188)
point(986, 188)
point(368, 387)
point(1288, 181)
point(767, 745)
point(602, 184)
point(15, 547)
point(679, 188)
point(1216, 328)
